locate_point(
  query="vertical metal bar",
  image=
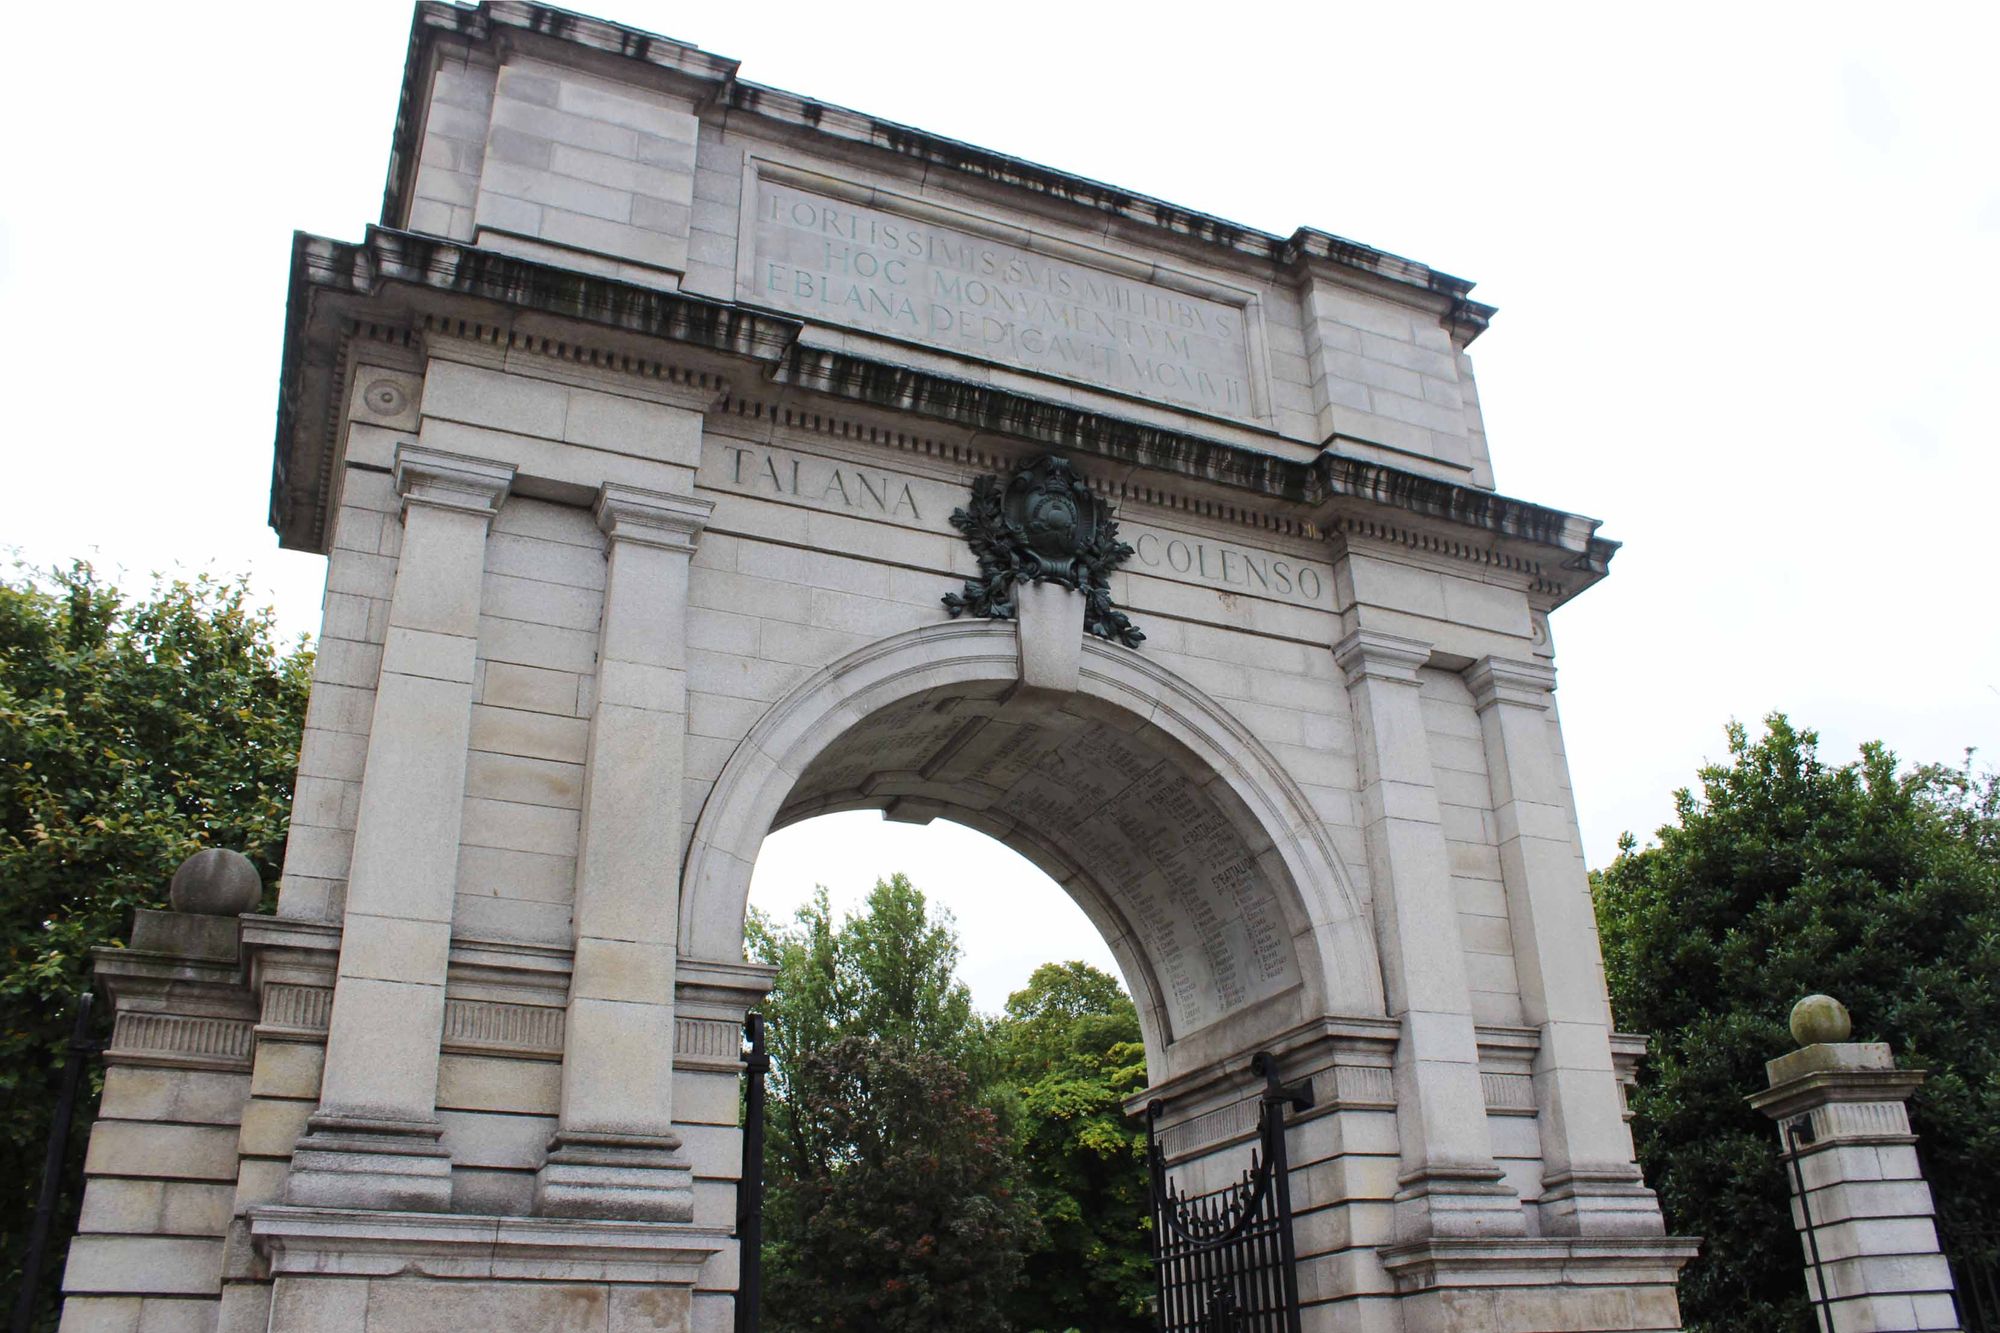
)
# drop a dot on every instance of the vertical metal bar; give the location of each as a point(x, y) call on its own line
point(1177, 1274)
point(750, 1187)
point(1155, 1191)
point(1276, 1098)
point(1270, 1300)
point(80, 1049)
point(1822, 1311)
point(1198, 1264)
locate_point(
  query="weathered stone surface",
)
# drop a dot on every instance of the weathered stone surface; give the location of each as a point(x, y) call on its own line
point(188, 935)
point(216, 882)
point(1820, 1018)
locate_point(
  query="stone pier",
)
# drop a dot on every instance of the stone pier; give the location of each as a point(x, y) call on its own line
point(1867, 1227)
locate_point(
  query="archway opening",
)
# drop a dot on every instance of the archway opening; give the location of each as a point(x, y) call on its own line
point(1202, 865)
point(1010, 917)
point(1160, 856)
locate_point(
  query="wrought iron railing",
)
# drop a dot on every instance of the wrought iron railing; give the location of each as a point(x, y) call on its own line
point(1974, 1253)
point(1224, 1259)
point(41, 1230)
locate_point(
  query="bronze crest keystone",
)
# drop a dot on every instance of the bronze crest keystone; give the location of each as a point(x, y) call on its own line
point(1043, 525)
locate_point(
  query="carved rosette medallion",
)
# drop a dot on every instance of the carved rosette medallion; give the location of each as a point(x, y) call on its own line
point(1042, 525)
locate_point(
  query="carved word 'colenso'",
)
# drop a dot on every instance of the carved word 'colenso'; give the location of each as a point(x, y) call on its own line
point(1230, 566)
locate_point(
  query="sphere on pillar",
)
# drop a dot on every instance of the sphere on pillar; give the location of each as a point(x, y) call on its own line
point(216, 882)
point(1820, 1018)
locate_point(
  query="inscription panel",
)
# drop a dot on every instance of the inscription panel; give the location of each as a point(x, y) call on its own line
point(912, 271)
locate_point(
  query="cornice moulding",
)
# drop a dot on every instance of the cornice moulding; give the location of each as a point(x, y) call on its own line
point(351, 1242)
point(1509, 1261)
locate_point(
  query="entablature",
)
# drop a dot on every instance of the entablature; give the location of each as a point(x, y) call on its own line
point(402, 288)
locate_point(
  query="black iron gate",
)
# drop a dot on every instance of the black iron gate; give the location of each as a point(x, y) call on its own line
point(750, 1187)
point(1224, 1259)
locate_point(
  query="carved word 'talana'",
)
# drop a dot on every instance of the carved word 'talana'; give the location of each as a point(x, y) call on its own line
point(1042, 525)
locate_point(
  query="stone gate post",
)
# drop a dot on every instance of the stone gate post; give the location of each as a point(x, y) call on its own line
point(1859, 1199)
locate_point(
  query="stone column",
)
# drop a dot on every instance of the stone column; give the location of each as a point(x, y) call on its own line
point(374, 1141)
point(1590, 1184)
point(1450, 1185)
point(1859, 1200)
point(615, 1153)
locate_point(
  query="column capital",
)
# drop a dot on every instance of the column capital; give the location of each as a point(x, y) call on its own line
point(1507, 680)
point(1373, 654)
point(451, 481)
point(651, 518)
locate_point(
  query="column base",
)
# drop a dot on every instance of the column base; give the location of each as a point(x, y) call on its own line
point(622, 1177)
point(1529, 1285)
point(1600, 1203)
point(338, 1268)
point(356, 1162)
point(1459, 1201)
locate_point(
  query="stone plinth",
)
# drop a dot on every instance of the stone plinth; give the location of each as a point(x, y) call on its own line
point(403, 1272)
point(1859, 1199)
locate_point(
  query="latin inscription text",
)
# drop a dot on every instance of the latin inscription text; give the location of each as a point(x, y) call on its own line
point(868, 269)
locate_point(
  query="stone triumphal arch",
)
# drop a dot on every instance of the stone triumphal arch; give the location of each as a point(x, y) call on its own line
point(692, 458)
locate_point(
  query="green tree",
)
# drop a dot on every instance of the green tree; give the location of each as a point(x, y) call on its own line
point(1784, 877)
point(1069, 1046)
point(133, 732)
point(890, 1201)
point(906, 1219)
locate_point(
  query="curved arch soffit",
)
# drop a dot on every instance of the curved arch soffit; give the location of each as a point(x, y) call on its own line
point(1332, 934)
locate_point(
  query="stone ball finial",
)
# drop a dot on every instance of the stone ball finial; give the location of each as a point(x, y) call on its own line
point(1820, 1018)
point(216, 882)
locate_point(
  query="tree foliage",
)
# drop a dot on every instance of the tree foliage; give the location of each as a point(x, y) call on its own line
point(133, 732)
point(892, 1202)
point(1070, 1048)
point(907, 1219)
point(1787, 876)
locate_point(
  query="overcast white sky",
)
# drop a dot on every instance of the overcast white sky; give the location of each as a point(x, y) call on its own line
point(1745, 258)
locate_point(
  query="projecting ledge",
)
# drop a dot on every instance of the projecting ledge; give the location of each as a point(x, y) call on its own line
point(353, 1242)
point(1506, 1261)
